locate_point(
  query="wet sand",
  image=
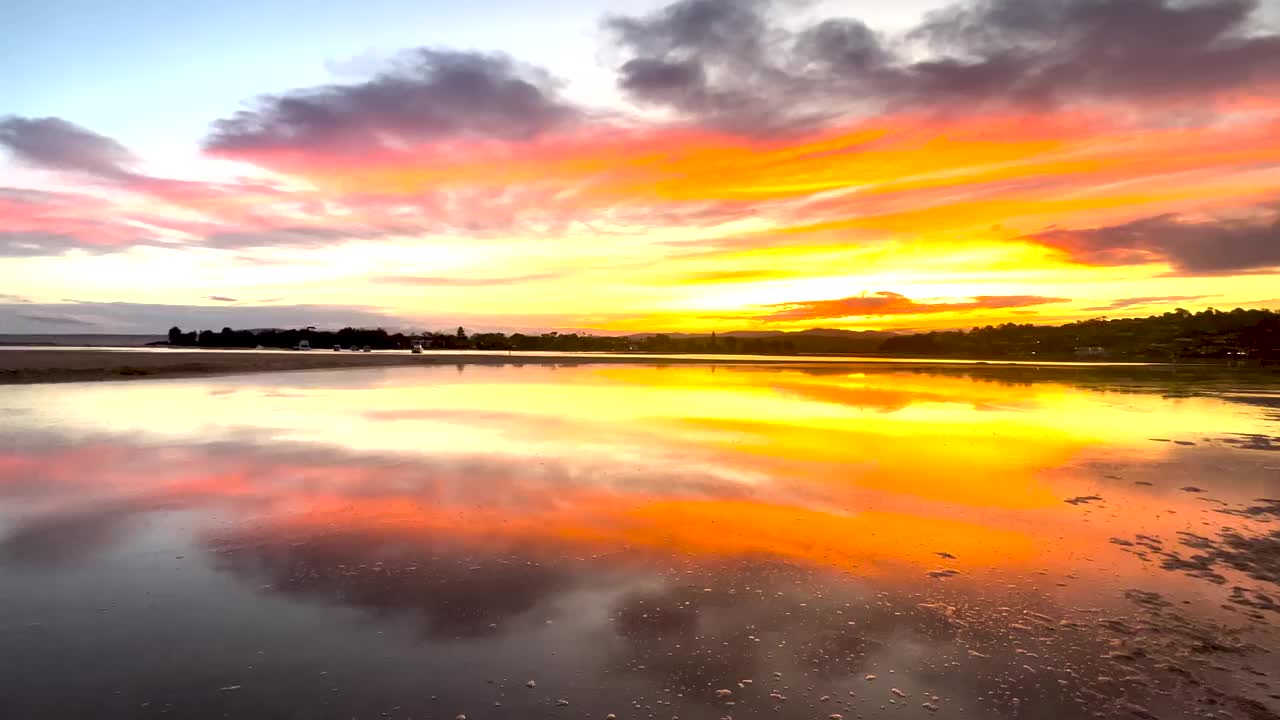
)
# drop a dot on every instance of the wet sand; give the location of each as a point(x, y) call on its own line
point(56, 365)
point(572, 542)
point(77, 365)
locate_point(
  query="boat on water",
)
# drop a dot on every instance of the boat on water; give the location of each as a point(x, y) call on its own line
point(417, 347)
point(303, 345)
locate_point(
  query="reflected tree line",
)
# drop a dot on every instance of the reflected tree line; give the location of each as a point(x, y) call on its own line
point(1212, 334)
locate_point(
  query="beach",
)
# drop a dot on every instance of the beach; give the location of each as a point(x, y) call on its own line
point(90, 364)
point(51, 365)
point(499, 538)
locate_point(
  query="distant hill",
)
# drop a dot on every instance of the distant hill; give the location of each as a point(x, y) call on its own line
point(814, 341)
point(812, 332)
point(1236, 335)
point(81, 340)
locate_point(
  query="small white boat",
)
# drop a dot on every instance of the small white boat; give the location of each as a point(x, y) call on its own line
point(337, 348)
point(417, 347)
point(303, 345)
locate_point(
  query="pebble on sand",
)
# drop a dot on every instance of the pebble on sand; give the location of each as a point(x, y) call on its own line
point(1083, 500)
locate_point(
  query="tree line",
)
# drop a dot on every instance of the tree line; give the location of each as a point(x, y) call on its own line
point(1180, 334)
point(1211, 334)
point(379, 339)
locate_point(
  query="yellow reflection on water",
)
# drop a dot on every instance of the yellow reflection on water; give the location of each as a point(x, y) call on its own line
point(865, 468)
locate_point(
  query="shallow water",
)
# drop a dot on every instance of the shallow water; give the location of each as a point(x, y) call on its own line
point(568, 356)
point(425, 542)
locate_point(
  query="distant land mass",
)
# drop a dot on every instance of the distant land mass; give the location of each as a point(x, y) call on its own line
point(1236, 335)
point(812, 332)
point(81, 339)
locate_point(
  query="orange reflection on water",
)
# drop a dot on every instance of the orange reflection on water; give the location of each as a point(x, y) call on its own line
point(866, 540)
point(870, 542)
point(873, 470)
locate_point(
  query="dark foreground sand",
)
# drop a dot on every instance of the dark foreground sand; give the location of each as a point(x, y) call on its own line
point(79, 365)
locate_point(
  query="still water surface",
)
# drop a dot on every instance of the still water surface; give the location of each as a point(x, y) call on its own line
point(529, 542)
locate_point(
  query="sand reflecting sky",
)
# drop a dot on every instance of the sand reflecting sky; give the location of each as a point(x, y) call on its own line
point(369, 491)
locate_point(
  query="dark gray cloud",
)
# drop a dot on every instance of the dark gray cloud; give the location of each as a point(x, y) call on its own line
point(1124, 303)
point(1213, 247)
point(891, 303)
point(52, 319)
point(734, 63)
point(55, 144)
point(222, 298)
point(1044, 50)
point(299, 236)
point(31, 198)
point(714, 60)
point(462, 281)
point(35, 243)
point(429, 94)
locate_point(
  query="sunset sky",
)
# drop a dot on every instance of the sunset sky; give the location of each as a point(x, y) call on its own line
point(634, 165)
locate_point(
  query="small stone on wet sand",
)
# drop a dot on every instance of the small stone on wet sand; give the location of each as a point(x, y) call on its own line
point(1083, 500)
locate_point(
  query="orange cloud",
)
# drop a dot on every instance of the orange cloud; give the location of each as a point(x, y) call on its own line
point(891, 303)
